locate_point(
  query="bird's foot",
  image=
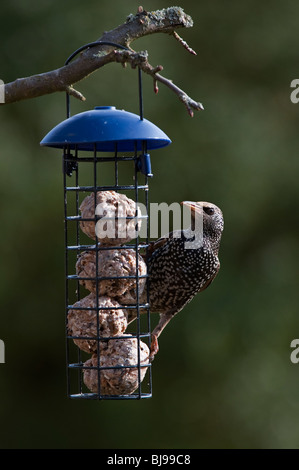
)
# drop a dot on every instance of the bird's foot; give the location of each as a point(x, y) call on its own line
point(154, 347)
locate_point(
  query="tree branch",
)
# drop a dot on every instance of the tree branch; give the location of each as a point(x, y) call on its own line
point(93, 58)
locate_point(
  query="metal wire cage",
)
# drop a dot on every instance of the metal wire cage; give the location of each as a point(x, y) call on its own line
point(105, 155)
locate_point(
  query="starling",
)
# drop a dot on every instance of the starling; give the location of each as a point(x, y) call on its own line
point(183, 263)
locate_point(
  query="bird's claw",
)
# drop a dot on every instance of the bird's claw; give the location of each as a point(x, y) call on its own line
point(154, 348)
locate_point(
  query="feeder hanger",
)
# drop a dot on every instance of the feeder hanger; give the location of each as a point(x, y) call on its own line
point(143, 162)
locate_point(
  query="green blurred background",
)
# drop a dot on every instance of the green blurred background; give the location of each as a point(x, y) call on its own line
point(223, 377)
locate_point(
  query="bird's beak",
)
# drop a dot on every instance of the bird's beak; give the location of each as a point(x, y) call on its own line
point(194, 206)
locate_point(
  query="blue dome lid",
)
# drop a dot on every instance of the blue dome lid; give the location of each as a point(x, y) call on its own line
point(104, 126)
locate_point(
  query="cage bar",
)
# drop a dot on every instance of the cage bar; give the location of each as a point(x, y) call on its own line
point(76, 359)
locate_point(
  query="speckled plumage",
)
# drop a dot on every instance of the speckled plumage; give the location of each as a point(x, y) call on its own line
point(177, 273)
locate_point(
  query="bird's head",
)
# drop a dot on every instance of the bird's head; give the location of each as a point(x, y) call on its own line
point(211, 216)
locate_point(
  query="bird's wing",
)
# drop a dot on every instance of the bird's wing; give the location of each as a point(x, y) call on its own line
point(153, 246)
point(156, 244)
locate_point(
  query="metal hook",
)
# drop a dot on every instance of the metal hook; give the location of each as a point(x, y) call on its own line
point(104, 43)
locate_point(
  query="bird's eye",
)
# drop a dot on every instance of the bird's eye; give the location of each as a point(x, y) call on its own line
point(209, 210)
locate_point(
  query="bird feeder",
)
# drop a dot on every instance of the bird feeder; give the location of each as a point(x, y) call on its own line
point(106, 167)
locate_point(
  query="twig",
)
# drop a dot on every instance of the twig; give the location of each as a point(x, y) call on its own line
point(184, 44)
point(183, 97)
point(71, 91)
point(140, 60)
